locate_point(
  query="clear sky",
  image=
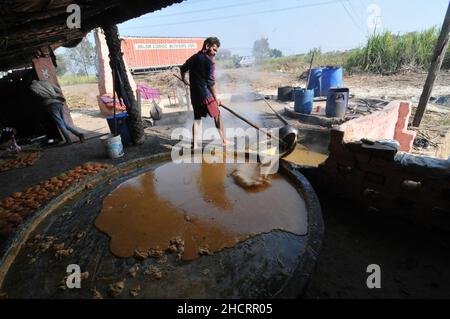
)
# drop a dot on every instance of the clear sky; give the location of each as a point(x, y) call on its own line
point(293, 26)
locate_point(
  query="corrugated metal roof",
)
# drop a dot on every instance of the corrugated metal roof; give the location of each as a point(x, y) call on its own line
point(28, 25)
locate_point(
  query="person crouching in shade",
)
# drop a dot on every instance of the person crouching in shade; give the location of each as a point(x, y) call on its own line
point(204, 96)
point(53, 103)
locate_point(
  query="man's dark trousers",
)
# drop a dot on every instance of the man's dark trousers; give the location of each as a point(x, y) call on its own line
point(56, 111)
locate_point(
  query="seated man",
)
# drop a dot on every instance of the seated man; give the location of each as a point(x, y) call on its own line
point(53, 103)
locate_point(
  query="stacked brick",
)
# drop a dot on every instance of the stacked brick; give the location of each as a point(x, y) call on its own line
point(379, 179)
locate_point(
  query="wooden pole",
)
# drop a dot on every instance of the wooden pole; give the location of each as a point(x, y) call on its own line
point(116, 60)
point(433, 72)
point(309, 71)
point(139, 100)
point(114, 102)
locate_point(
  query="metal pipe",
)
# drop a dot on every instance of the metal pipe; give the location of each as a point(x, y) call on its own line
point(281, 118)
point(241, 117)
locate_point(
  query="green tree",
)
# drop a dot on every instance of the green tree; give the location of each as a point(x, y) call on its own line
point(81, 72)
point(261, 49)
point(61, 63)
point(275, 53)
point(223, 54)
point(83, 57)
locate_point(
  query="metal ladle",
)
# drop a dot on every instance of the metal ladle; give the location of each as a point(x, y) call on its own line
point(287, 134)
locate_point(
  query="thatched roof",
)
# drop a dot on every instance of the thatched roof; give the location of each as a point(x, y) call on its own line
point(27, 25)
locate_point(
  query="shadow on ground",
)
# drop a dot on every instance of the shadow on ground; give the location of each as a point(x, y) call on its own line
point(414, 259)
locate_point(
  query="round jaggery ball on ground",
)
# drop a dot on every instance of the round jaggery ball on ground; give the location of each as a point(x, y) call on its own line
point(8, 199)
point(17, 195)
point(15, 219)
point(24, 212)
point(4, 215)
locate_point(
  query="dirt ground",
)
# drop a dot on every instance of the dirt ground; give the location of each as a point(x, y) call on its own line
point(413, 259)
point(435, 125)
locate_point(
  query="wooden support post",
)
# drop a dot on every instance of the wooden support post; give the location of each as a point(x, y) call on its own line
point(436, 63)
point(116, 56)
point(139, 100)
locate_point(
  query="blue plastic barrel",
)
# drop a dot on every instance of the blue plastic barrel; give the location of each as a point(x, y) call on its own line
point(315, 81)
point(331, 77)
point(303, 101)
point(121, 126)
point(337, 102)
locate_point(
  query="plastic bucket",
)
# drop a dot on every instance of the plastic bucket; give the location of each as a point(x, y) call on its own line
point(303, 101)
point(113, 145)
point(315, 81)
point(122, 126)
point(337, 102)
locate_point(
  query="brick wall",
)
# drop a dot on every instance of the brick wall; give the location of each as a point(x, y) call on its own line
point(389, 123)
point(378, 178)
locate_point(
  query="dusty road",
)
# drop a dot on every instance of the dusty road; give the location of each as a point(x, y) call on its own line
point(235, 81)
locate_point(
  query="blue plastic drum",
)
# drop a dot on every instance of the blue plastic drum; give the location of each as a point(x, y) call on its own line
point(331, 78)
point(303, 101)
point(315, 81)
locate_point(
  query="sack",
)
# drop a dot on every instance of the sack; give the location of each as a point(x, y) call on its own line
point(155, 111)
point(108, 101)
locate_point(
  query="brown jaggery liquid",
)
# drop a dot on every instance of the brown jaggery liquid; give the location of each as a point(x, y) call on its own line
point(202, 204)
point(302, 156)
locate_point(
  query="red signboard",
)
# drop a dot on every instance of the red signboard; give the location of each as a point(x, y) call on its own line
point(148, 53)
